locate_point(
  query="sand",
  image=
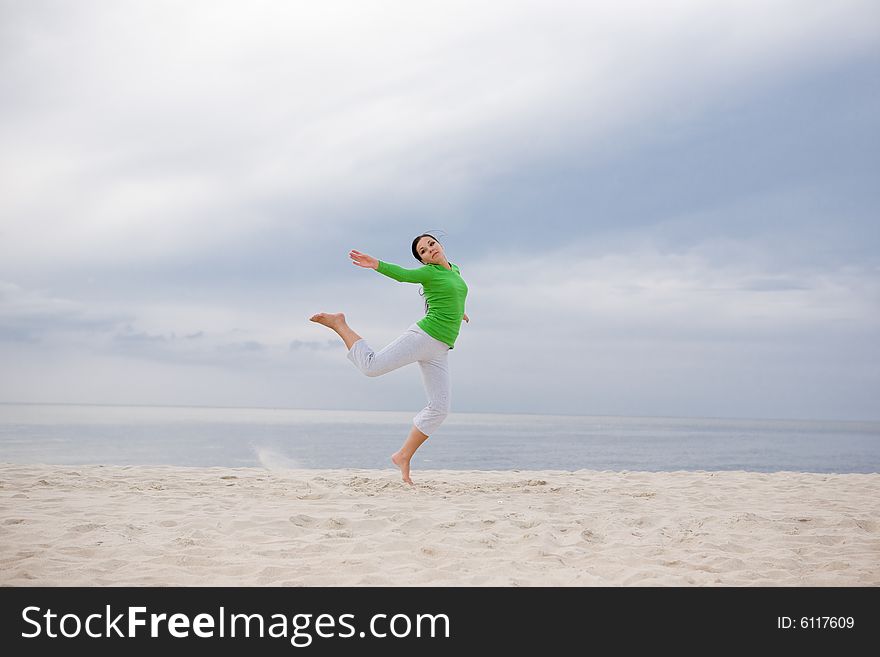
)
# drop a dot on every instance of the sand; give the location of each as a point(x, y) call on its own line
point(174, 526)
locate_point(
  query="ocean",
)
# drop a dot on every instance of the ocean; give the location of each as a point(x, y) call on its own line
point(287, 438)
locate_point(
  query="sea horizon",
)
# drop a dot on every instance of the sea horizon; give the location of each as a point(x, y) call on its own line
point(278, 438)
point(646, 416)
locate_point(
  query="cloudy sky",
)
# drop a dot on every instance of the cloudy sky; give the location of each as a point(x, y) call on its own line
point(660, 208)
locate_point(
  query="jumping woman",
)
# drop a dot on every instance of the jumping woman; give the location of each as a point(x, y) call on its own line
point(427, 342)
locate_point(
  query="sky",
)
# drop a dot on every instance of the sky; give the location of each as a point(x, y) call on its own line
point(660, 208)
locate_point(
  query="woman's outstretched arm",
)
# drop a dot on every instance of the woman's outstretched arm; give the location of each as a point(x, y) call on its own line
point(396, 272)
point(363, 260)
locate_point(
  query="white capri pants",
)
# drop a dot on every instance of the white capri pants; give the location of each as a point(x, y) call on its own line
point(413, 346)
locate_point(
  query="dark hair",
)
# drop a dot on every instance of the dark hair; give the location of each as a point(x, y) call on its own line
point(416, 241)
point(416, 255)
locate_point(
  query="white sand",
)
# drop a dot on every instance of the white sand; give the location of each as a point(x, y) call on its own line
point(113, 525)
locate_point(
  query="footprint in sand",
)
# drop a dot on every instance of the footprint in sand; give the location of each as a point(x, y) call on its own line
point(867, 525)
point(589, 536)
point(302, 520)
point(335, 523)
point(526, 524)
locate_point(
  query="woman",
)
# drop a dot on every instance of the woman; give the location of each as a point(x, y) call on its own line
point(427, 342)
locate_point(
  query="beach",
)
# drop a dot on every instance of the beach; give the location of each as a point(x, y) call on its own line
point(93, 525)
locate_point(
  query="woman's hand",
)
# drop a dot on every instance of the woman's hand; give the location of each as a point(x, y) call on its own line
point(465, 318)
point(363, 260)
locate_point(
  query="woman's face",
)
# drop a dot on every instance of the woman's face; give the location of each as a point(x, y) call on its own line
point(429, 250)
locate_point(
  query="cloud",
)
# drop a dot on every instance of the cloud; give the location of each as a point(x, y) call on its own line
point(249, 347)
point(34, 316)
point(646, 200)
point(205, 349)
point(718, 290)
point(165, 131)
point(296, 345)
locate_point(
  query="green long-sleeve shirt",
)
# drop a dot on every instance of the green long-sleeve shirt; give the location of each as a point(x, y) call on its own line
point(445, 292)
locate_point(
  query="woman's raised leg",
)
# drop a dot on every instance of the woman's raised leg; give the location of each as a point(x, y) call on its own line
point(336, 321)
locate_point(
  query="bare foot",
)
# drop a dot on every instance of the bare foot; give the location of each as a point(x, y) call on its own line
point(331, 320)
point(402, 463)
